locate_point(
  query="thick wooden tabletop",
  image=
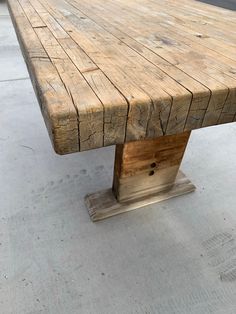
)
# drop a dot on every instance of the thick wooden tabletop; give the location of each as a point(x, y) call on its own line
point(113, 71)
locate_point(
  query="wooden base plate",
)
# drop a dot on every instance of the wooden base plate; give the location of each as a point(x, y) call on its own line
point(103, 204)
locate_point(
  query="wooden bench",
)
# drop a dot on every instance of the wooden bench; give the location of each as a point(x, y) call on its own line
point(138, 74)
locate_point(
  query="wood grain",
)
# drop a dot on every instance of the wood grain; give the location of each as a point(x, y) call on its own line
point(147, 167)
point(103, 204)
point(113, 71)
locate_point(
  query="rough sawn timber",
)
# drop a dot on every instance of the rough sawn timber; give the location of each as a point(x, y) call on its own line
point(145, 172)
point(113, 71)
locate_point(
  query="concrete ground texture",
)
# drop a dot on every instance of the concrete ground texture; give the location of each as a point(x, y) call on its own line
point(175, 257)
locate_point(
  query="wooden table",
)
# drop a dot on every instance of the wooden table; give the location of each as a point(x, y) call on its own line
point(138, 74)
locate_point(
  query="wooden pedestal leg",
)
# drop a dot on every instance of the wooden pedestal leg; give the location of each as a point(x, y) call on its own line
point(145, 172)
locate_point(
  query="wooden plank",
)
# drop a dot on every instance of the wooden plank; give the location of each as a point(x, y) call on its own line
point(129, 70)
point(177, 114)
point(58, 110)
point(205, 9)
point(188, 16)
point(213, 38)
point(150, 78)
point(103, 204)
point(139, 102)
point(174, 35)
point(200, 93)
point(88, 106)
point(32, 15)
point(110, 97)
point(200, 24)
point(116, 107)
point(185, 58)
point(147, 167)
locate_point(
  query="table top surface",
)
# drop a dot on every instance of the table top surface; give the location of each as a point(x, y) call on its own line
point(113, 71)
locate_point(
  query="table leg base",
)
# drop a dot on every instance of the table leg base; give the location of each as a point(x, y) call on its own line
point(103, 204)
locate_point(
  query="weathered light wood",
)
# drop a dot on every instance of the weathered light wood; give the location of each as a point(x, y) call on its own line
point(104, 204)
point(145, 172)
point(147, 167)
point(113, 71)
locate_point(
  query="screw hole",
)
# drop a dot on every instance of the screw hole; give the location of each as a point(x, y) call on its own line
point(153, 165)
point(151, 173)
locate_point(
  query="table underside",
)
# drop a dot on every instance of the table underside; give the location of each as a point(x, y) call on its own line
point(114, 71)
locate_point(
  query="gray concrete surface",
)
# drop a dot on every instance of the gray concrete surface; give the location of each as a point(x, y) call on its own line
point(227, 4)
point(177, 257)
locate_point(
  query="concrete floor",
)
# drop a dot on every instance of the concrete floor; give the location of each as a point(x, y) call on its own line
point(227, 4)
point(177, 257)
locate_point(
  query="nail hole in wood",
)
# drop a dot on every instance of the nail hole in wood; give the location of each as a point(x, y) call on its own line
point(153, 165)
point(151, 173)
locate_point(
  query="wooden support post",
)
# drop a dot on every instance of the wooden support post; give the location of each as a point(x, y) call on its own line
point(145, 172)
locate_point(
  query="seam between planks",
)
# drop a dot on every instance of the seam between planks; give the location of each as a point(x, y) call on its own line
point(30, 59)
point(79, 69)
point(188, 37)
point(208, 75)
point(139, 87)
point(215, 68)
point(66, 87)
point(172, 99)
point(189, 109)
point(128, 104)
point(155, 66)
